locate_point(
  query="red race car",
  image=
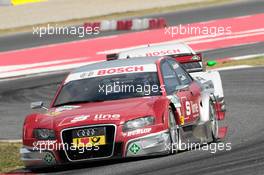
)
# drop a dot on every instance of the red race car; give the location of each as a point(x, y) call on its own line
point(122, 108)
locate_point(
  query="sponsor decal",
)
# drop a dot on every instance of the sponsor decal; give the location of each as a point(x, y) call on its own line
point(111, 71)
point(80, 118)
point(181, 120)
point(195, 58)
point(89, 137)
point(164, 52)
point(86, 75)
point(137, 132)
point(185, 108)
point(191, 108)
point(59, 110)
point(121, 70)
point(49, 159)
point(107, 117)
point(195, 108)
point(134, 148)
point(188, 108)
point(175, 66)
point(96, 117)
point(65, 108)
point(53, 113)
point(89, 141)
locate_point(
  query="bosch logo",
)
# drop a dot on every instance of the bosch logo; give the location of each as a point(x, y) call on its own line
point(164, 52)
point(86, 132)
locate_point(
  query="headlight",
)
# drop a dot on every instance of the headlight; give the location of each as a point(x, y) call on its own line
point(138, 123)
point(44, 134)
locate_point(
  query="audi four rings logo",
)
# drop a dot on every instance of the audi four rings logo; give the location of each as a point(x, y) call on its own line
point(86, 132)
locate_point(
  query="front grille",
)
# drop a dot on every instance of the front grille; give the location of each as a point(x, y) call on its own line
point(83, 154)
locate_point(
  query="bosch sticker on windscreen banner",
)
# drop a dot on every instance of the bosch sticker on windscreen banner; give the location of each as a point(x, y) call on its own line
point(111, 71)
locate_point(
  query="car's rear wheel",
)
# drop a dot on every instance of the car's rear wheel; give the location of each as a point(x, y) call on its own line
point(174, 133)
point(214, 122)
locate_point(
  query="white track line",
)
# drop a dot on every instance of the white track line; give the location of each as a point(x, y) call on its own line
point(247, 57)
point(48, 63)
point(11, 141)
point(233, 67)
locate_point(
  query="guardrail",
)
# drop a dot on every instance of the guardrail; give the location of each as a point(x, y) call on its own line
point(129, 24)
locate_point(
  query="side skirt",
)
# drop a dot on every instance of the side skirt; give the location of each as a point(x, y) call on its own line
point(200, 133)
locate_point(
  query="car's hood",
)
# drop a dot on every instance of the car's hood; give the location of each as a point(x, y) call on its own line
point(114, 112)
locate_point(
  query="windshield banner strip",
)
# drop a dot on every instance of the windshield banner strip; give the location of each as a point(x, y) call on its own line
point(111, 71)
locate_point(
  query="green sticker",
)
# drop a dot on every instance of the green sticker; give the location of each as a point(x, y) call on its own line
point(211, 63)
point(49, 159)
point(134, 148)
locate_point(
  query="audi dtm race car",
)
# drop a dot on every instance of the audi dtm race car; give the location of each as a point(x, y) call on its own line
point(138, 103)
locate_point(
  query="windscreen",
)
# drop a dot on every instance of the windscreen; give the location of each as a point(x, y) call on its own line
point(110, 87)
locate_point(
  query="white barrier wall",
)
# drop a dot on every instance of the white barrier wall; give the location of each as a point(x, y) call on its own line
point(5, 2)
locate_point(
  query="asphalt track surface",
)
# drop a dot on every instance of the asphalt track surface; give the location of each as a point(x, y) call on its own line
point(244, 96)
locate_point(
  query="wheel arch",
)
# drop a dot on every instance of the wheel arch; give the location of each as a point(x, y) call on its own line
point(204, 106)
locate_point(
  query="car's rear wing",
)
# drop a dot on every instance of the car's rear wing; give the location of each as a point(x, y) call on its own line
point(192, 63)
point(113, 56)
point(190, 60)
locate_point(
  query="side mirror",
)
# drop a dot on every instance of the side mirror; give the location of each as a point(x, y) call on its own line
point(37, 105)
point(181, 87)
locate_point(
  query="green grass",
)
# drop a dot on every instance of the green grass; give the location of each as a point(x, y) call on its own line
point(9, 157)
point(257, 61)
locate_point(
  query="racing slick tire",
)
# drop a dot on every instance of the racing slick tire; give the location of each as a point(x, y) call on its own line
point(214, 121)
point(174, 133)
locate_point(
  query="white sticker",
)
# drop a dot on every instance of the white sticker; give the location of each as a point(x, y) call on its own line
point(107, 117)
point(164, 52)
point(80, 118)
point(195, 108)
point(111, 71)
point(188, 108)
point(65, 108)
point(138, 131)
